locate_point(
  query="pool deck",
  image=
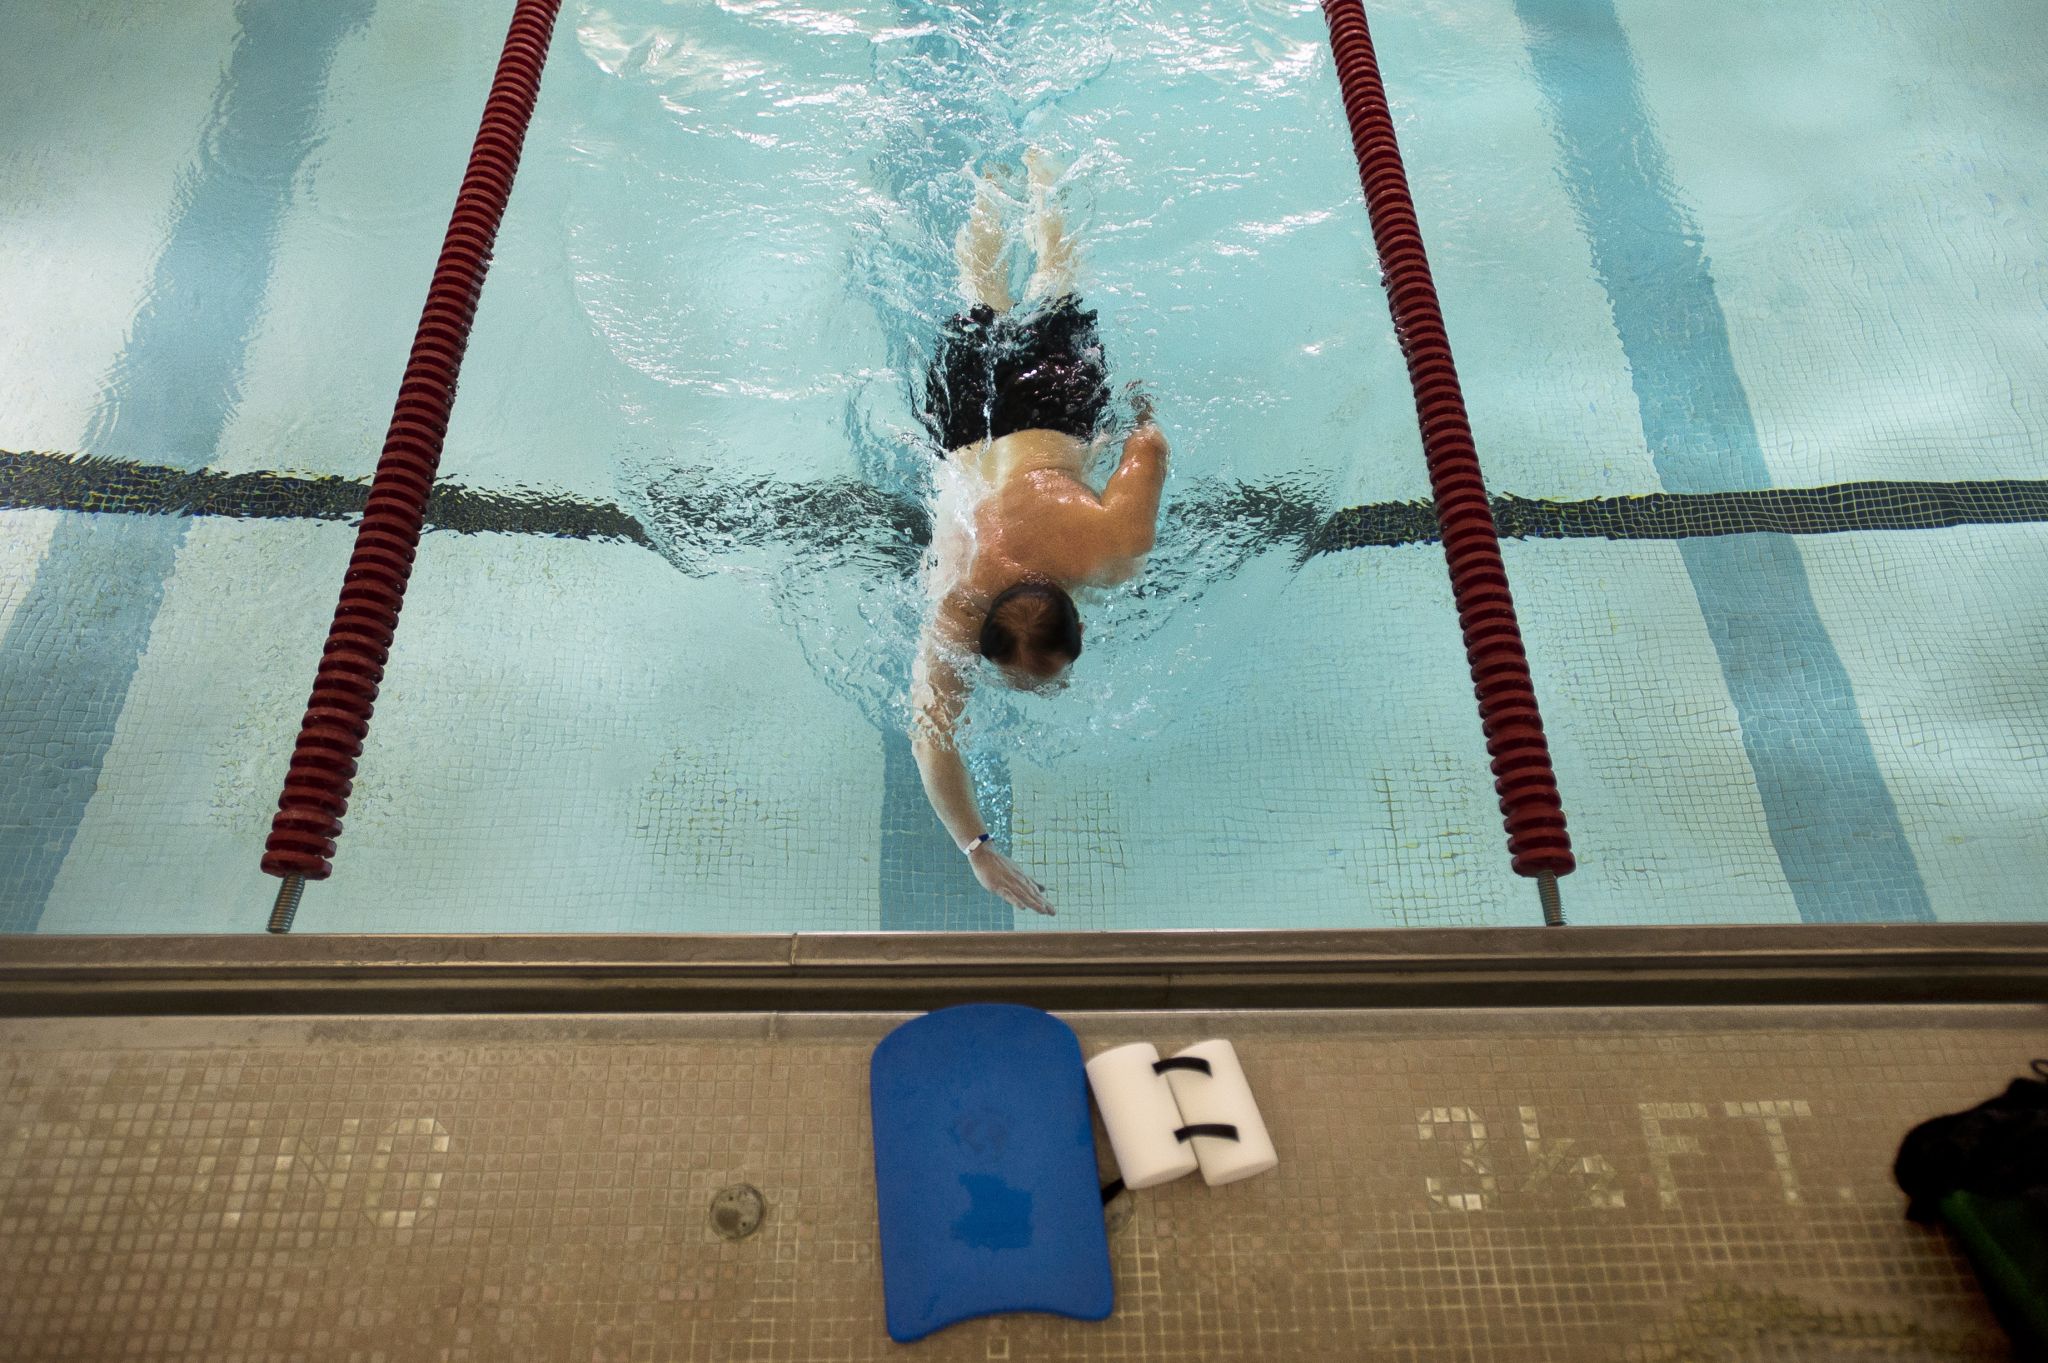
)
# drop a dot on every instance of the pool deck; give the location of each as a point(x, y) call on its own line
point(486, 1148)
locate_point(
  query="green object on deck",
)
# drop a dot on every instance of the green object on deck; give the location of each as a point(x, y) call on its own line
point(2007, 1242)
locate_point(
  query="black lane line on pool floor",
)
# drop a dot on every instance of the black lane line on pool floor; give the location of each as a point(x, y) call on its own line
point(705, 519)
point(79, 482)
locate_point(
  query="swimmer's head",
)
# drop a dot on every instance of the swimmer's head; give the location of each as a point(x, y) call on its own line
point(1032, 634)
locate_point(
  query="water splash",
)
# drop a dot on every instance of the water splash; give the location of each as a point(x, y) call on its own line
point(763, 237)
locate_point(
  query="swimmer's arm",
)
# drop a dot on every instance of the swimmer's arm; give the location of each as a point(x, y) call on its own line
point(1131, 497)
point(938, 693)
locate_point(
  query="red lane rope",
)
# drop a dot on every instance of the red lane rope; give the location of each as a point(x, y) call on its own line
point(323, 765)
point(1522, 775)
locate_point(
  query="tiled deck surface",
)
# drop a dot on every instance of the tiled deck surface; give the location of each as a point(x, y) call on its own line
point(1567, 1185)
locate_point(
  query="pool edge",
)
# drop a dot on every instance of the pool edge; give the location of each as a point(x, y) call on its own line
point(819, 972)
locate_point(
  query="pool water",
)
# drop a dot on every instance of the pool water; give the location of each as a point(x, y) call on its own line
point(652, 670)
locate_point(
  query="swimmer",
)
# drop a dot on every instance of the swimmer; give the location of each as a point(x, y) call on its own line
point(1013, 399)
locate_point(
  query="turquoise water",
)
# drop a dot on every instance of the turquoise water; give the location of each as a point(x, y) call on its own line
point(1686, 261)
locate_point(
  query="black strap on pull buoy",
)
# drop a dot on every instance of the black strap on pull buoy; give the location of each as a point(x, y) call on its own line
point(1182, 1062)
point(1221, 1130)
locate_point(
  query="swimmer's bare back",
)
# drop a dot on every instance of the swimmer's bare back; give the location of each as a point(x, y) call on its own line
point(1036, 518)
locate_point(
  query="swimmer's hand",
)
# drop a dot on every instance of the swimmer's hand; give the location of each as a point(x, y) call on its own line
point(1002, 877)
point(1141, 402)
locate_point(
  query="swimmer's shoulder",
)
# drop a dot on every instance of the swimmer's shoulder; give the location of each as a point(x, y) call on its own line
point(957, 621)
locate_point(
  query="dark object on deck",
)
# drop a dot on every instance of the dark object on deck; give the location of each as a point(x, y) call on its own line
point(1984, 1174)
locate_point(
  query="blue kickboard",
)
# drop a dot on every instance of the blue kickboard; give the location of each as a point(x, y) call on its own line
point(985, 1170)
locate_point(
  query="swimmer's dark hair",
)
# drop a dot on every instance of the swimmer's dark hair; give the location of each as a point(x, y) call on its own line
point(1032, 612)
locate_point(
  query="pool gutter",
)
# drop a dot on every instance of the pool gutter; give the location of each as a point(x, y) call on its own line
point(827, 972)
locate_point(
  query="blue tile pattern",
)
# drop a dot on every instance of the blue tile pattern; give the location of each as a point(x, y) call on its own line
point(1830, 814)
point(84, 623)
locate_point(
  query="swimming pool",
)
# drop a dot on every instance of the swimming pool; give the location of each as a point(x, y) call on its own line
point(650, 677)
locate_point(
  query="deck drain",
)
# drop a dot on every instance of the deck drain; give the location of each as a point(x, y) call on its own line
point(738, 1211)
point(1118, 1213)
